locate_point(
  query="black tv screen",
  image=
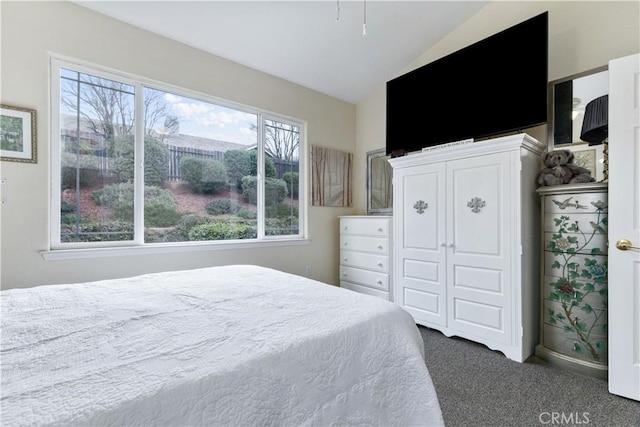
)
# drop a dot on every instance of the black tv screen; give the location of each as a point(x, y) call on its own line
point(495, 86)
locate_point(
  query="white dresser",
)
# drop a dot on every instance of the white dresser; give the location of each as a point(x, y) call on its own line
point(365, 254)
point(466, 241)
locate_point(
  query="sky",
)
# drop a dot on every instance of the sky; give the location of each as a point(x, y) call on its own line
point(211, 121)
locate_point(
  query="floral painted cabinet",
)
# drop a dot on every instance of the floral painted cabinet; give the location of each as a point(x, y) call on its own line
point(574, 277)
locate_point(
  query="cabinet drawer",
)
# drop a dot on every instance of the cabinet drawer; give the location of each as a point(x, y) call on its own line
point(368, 226)
point(364, 290)
point(365, 278)
point(365, 244)
point(363, 260)
point(576, 203)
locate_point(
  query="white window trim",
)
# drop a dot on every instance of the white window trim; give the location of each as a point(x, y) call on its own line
point(64, 251)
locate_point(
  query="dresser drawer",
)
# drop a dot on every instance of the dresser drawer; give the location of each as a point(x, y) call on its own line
point(576, 203)
point(365, 278)
point(365, 244)
point(364, 290)
point(371, 226)
point(374, 262)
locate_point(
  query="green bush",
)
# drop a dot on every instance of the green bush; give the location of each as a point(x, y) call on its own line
point(247, 214)
point(204, 175)
point(238, 164)
point(281, 211)
point(160, 207)
point(88, 167)
point(186, 223)
point(275, 190)
point(222, 231)
point(222, 206)
point(281, 226)
point(291, 178)
point(97, 231)
point(269, 166)
point(66, 207)
point(156, 160)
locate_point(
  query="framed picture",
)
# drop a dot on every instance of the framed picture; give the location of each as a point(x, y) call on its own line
point(590, 157)
point(379, 188)
point(18, 142)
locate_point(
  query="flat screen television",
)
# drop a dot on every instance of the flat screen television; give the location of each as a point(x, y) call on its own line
point(493, 87)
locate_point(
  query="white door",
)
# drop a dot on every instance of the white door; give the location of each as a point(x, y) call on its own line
point(624, 223)
point(478, 251)
point(420, 285)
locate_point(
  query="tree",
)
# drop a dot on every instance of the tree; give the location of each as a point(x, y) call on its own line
point(281, 140)
point(155, 108)
point(107, 106)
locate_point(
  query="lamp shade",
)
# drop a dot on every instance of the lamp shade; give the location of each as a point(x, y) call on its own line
point(595, 126)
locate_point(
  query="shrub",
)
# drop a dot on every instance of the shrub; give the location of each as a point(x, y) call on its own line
point(247, 214)
point(269, 166)
point(186, 223)
point(66, 207)
point(281, 211)
point(160, 207)
point(222, 231)
point(238, 164)
point(281, 226)
point(275, 190)
point(291, 178)
point(222, 206)
point(121, 230)
point(88, 167)
point(156, 160)
point(204, 175)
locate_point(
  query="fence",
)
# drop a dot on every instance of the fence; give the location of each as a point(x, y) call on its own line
point(177, 153)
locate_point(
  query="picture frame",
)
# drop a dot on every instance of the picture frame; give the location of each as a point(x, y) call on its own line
point(379, 183)
point(18, 137)
point(590, 157)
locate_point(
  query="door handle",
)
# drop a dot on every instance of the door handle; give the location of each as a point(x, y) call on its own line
point(625, 245)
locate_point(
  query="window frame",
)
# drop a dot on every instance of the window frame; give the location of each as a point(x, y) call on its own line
point(69, 250)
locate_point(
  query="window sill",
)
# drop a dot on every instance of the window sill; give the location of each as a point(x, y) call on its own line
point(157, 248)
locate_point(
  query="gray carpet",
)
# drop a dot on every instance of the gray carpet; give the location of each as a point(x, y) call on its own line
point(477, 386)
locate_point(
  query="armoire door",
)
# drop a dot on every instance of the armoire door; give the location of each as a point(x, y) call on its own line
point(419, 235)
point(479, 253)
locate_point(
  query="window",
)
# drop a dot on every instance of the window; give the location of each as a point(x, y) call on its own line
point(208, 171)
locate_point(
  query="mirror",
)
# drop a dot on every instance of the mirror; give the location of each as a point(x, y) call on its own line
point(568, 98)
point(379, 188)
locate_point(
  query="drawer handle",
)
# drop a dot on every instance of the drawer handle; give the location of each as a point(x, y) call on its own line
point(346, 228)
point(344, 274)
point(380, 229)
point(345, 258)
point(379, 264)
point(380, 247)
point(346, 243)
point(379, 282)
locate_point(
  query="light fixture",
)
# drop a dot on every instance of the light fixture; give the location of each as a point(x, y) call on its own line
point(364, 20)
point(595, 127)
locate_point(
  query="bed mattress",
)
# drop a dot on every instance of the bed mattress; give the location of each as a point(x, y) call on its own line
point(237, 345)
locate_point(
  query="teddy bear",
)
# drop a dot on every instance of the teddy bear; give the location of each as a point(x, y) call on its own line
point(559, 169)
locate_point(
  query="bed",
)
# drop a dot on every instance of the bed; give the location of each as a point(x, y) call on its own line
point(236, 345)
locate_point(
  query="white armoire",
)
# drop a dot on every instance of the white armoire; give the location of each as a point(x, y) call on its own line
point(466, 241)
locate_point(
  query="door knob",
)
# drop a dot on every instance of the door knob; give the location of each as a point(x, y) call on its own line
point(624, 245)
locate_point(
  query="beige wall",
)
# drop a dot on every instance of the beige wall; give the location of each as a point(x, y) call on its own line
point(582, 36)
point(31, 31)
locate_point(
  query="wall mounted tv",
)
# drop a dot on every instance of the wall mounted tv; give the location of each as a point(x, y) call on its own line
point(495, 86)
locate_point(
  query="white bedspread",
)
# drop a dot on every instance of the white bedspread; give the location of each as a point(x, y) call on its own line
point(234, 346)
